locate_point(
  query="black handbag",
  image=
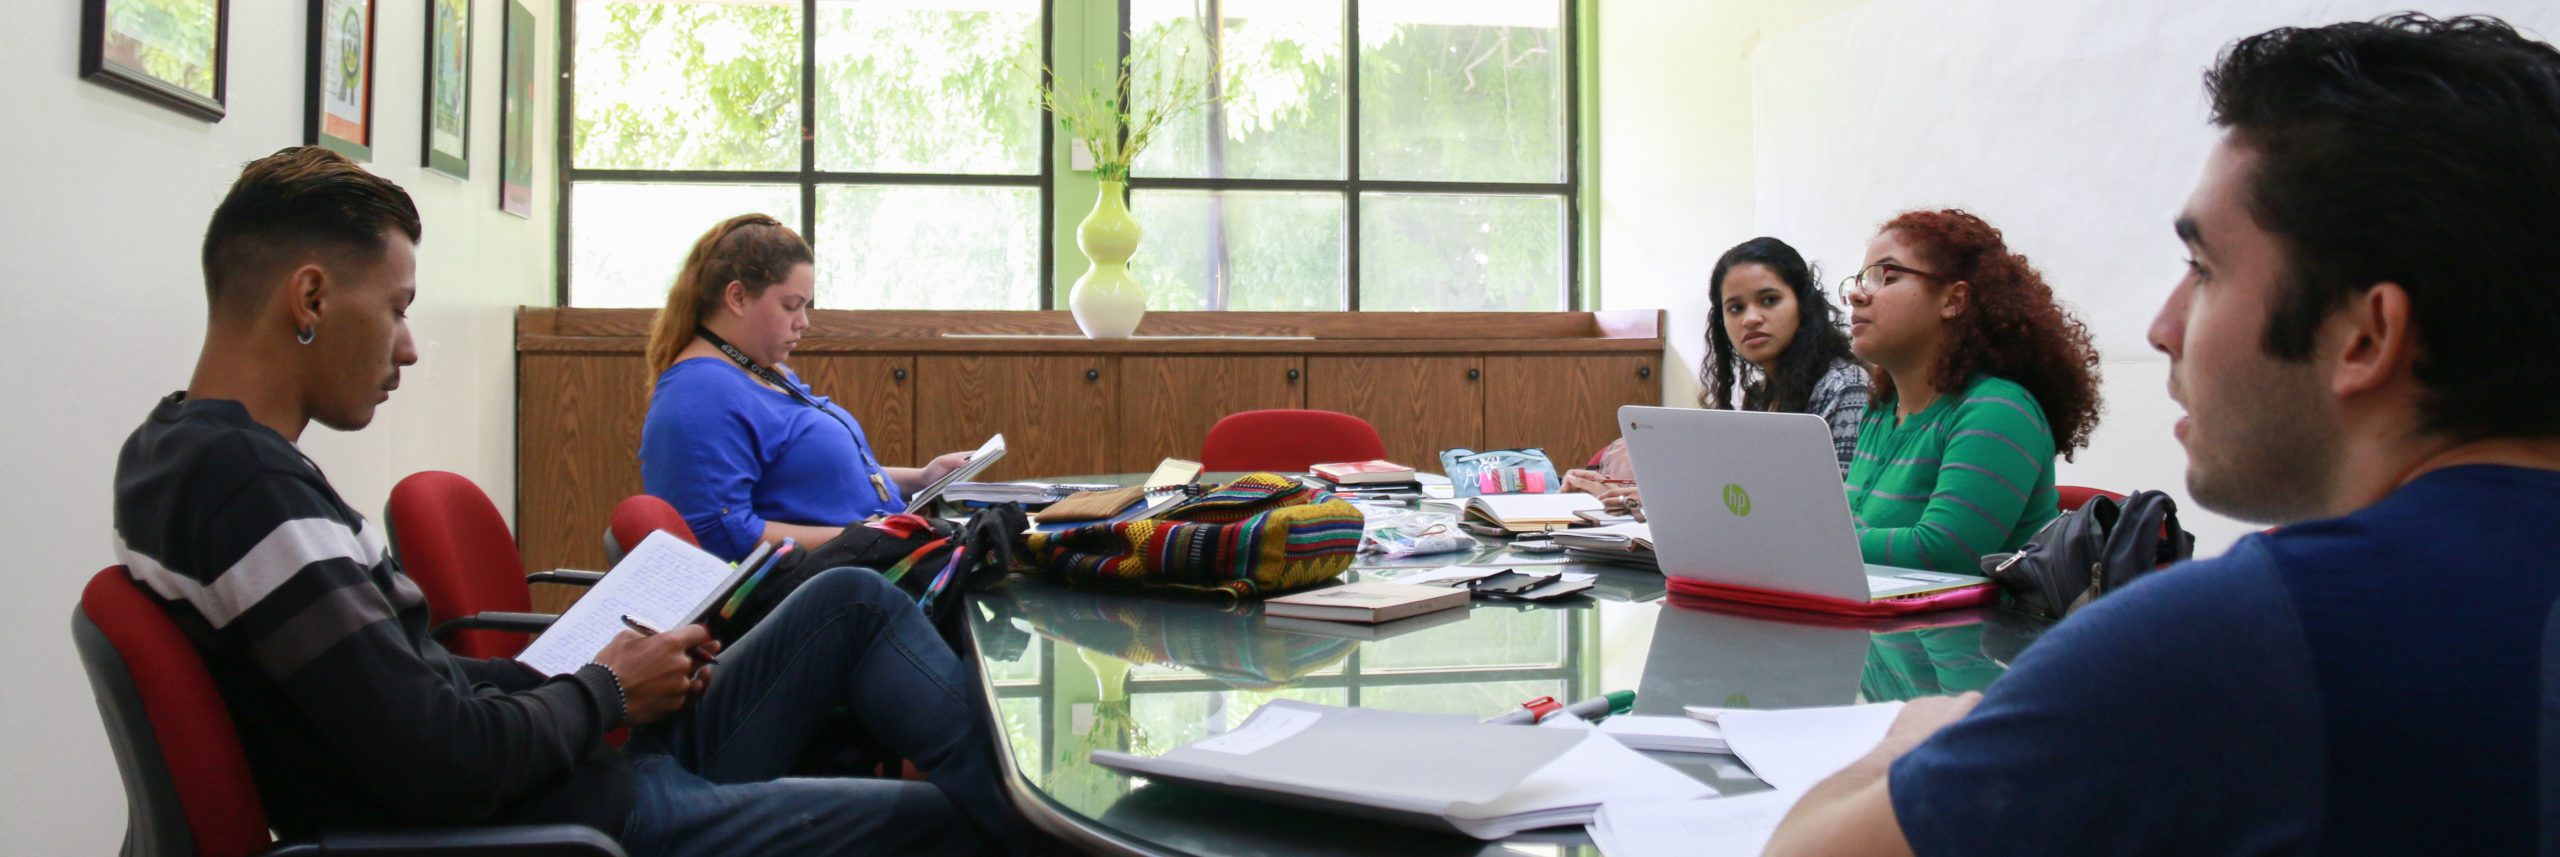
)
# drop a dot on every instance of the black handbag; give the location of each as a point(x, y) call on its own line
point(2090, 551)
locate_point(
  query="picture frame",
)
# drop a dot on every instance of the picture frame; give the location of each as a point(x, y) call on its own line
point(445, 112)
point(175, 53)
point(338, 97)
point(515, 136)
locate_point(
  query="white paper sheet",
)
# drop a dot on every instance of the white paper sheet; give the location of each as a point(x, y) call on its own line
point(1737, 826)
point(1795, 748)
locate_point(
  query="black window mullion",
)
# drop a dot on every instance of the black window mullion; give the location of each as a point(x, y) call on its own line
point(565, 129)
point(1351, 151)
point(809, 120)
point(1572, 54)
point(1048, 238)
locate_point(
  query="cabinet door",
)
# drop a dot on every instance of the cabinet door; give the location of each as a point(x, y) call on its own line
point(577, 452)
point(878, 390)
point(1055, 411)
point(1421, 405)
point(1167, 404)
point(1566, 404)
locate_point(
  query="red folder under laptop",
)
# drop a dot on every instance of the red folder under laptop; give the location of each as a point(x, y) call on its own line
point(1975, 595)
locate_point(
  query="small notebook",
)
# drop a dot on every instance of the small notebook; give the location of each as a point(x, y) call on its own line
point(1360, 631)
point(664, 582)
point(1369, 602)
point(1529, 513)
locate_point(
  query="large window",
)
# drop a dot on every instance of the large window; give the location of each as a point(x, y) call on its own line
point(901, 136)
point(1365, 154)
point(1376, 154)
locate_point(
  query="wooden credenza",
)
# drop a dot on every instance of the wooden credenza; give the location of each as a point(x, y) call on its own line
point(926, 383)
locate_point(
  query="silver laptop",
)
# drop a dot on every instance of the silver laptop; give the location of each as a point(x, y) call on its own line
point(1752, 499)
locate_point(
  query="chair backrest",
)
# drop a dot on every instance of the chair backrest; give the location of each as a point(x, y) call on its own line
point(186, 778)
point(452, 541)
point(2076, 496)
point(1284, 441)
point(639, 515)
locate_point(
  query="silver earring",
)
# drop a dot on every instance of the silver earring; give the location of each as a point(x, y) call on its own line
point(305, 335)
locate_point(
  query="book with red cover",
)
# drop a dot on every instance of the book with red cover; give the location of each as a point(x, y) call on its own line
point(1362, 472)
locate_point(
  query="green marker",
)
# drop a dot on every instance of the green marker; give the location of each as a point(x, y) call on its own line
point(1593, 709)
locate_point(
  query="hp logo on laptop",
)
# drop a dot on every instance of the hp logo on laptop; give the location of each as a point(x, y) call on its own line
point(1736, 500)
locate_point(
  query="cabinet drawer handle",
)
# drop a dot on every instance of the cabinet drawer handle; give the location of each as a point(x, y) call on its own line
point(898, 373)
point(1093, 374)
point(1293, 374)
point(1473, 374)
point(1644, 372)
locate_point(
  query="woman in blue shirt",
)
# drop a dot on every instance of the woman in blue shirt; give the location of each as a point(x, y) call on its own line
point(734, 440)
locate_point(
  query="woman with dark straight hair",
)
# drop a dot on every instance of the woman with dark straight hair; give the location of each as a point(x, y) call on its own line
point(1775, 342)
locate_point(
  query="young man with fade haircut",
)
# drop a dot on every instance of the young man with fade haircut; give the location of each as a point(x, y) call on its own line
point(354, 717)
point(2364, 340)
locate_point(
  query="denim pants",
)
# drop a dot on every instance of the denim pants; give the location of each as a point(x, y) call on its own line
point(710, 780)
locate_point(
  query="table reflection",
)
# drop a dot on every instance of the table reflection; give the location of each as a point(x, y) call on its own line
point(1073, 671)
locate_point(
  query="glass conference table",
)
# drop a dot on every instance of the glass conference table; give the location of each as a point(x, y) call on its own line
point(1070, 671)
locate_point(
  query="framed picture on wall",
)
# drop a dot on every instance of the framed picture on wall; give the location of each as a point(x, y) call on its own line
point(338, 109)
point(515, 140)
point(167, 51)
point(448, 103)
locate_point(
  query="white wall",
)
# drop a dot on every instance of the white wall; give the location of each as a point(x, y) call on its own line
point(106, 201)
point(2078, 128)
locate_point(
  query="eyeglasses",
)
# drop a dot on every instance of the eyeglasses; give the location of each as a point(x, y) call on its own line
point(1868, 280)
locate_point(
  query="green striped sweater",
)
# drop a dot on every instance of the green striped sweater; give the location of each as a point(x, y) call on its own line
point(1970, 474)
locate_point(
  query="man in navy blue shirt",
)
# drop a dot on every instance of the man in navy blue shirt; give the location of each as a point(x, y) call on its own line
point(2364, 341)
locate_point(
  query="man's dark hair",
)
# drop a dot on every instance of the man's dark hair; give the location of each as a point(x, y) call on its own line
point(291, 204)
point(2421, 152)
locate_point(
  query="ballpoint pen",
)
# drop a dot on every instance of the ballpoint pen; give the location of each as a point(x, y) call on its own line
point(643, 629)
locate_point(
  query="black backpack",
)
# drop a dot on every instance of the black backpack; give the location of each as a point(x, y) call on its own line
point(2091, 551)
point(912, 551)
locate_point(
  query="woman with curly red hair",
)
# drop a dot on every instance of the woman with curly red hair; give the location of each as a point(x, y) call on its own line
point(1980, 380)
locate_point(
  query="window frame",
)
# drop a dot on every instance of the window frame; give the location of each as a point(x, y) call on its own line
point(1352, 186)
point(808, 178)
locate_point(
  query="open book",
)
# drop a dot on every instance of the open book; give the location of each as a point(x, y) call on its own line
point(1529, 513)
point(987, 454)
point(663, 582)
point(1436, 771)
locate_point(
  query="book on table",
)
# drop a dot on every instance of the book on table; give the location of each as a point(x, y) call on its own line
point(665, 583)
point(1363, 631)
point(1375, 471)
point(1530, 513)
point(1367, 601)
point(1434, 771)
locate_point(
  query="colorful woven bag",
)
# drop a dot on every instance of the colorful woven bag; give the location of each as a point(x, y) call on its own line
point(1260, 535)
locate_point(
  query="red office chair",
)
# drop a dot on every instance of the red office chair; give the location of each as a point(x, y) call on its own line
point(635, 518)
point(1288, 440)
point(2076, 496)
point(451, 540)
point(186, 778)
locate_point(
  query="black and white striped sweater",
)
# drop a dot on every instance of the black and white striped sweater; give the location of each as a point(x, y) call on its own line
point(351, 713)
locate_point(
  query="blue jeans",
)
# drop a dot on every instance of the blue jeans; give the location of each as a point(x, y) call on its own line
point(710, 780)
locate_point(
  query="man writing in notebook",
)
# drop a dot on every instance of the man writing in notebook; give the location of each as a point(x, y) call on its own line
point(2363, 341)
point(354, 717)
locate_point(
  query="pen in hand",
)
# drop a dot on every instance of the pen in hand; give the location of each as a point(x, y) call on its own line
point(643, 629)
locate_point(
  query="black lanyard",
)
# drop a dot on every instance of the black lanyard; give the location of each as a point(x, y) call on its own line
point(769, 376)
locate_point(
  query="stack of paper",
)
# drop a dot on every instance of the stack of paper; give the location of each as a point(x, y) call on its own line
point(1436, 771)
point(1736, 826)
point(1629, 543)
point(1669, 734)
point(1027, 493)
